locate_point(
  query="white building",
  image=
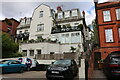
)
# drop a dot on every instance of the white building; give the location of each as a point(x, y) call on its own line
point(53, 32)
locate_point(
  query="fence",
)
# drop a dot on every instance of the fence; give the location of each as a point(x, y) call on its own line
point(55, 56)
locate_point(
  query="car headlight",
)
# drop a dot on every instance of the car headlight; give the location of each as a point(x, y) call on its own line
point(65, 68)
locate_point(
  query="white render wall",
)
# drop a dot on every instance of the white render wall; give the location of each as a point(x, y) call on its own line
point(46, 20)
point(46, 47)
point(23, 30)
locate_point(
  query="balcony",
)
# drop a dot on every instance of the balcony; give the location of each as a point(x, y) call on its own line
point(23, 26)
point(69, 19)
point(59, 29)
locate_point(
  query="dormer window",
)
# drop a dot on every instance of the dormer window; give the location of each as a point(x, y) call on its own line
point(60, 15)
point(23, 22)
point(74, 13)
point(28, 21)
point(67, 14)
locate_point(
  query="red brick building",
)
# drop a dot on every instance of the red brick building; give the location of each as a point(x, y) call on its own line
point(108, 19)
point(9, 26)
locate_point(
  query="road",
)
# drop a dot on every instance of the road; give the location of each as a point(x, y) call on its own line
point(27, 75)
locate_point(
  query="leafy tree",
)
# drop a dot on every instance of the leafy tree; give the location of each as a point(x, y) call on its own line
point(9, 48)
point(95, 38)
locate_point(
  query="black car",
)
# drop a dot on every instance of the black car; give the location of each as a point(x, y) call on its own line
point(63, 68)
point(112, 65)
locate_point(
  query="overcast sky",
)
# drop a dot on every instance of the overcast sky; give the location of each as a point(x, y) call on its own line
point(24, 8)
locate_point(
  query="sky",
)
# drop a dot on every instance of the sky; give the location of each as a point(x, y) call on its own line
point(24, 8)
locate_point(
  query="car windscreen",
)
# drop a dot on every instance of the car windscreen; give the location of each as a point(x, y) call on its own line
point(62, 62)
point(115, 60)
point(4, 62)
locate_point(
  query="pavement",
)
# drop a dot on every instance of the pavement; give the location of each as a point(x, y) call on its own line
point(98, 75)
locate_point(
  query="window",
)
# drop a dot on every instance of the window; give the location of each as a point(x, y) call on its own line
point(60, 15)
point(41, 14)
point(109, 35)
point(20, 32)
point(28, 21)
point(119, 32)
point(65, 38)
point(24, 52)
point(74, 13)
point(118, 14)
point(40, 27)
point(75, 37)
point(106, 15)
point(31, 52)
point(39, 51)
point(15, 62)
point(67, 14)
point(22, 22)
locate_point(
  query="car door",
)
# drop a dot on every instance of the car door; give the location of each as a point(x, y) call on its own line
point(73, 67)
point(14, 66)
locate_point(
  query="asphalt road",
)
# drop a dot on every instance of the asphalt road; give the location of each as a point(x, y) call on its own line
point(27, 75)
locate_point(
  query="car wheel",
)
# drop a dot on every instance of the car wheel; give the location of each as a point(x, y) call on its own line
point(21, 70)
point(28, 68)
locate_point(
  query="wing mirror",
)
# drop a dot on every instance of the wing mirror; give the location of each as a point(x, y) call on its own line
point(52, 63)
point(8, 63)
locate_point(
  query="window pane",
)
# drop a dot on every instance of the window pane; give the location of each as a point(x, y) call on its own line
point(118, 14)
point(67, 14)
point(60, 15)
point(31, 52)
point(62, 38)
point(39, 51)
point(40, 27)
point(24, 52)
point(106, 15)
point(74, 13)
point(22, 22)
point(109, 35)
point(28, 21)
point(119, 32)
point(41, 13)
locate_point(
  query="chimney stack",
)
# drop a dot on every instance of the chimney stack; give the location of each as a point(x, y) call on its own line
point(59, 9)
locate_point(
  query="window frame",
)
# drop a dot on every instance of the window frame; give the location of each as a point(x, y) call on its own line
point(74, 13)
point(40, 27)
point(108, 37)
point(117, 13)
point(60, 15)
point(41, 14)
point(107, 15)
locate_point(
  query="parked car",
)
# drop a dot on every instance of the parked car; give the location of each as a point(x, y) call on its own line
point(112, 65)
point(12, 66)
point(31, 64)
point(63, 68)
